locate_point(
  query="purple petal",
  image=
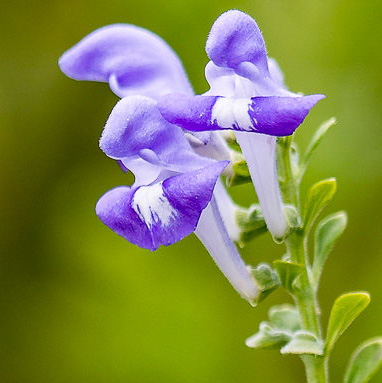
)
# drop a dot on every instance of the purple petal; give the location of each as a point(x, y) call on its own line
point(160, 214)
point(136, 129)
point(191, 113)
point(279, 116)
point(132, 59)
point(275, 116)
point(235, 38)
point(122, 166)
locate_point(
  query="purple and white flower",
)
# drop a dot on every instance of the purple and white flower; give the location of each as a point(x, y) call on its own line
point(170, 139)
point(174, 192)
point(247, 95)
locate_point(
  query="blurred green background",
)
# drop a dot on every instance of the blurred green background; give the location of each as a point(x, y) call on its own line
point(80, 304)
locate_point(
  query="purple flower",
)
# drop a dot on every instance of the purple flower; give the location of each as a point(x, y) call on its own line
point(174, 192)
point(247, 95)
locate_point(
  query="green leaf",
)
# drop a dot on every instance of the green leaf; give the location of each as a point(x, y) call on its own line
point(288, 272)
point(345, 310)
point(364, 362)
point(285, 317)
point(303, 342)
point(267, 337)
point(284, 320)
point(327, 232)
point(318, 197)
point(266, 279)
point(318, 136)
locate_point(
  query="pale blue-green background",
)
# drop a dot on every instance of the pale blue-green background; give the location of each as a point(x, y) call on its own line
point(78, 303)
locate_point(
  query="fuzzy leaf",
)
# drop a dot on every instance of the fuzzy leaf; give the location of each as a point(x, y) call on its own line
point(327, 232)
point(345, 310)
point(303, 342)
point(267, 337)
point(284, 320)
point(364, 362)
point(288, 272)
point(266, 279)
point(318, 197)
point(285, 317)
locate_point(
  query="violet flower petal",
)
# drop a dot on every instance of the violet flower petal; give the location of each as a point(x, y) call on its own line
point(235, 38)
point(136, 131)
point(275, 116)
point(159, 214)
point(131, 59)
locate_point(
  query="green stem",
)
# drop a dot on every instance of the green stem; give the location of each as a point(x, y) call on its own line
point(288, 183)
point(296, 243)
point(306, 300)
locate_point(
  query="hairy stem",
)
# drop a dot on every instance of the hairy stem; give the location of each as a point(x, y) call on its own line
point(306, 300)
point(304, 294)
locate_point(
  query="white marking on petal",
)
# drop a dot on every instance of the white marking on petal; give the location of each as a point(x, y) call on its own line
point(152, 206)
point(231, 113)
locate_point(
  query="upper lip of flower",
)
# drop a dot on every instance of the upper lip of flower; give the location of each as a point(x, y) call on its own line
point(133, 60)
point(247, 95)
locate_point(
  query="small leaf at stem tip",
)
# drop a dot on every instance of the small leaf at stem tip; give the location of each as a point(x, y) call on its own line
point(365, 361)
point(315, 141)
point(318, 197)
point(288, 273)
point(345, 310)
point(327, 232)
point(303, 342)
